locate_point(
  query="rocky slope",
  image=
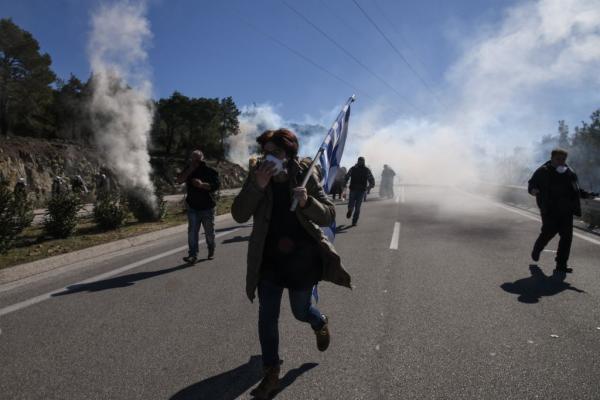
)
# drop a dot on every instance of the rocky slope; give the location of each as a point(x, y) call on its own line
point(39, 161)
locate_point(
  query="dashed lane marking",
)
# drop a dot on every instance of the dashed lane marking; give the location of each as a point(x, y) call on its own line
point(395, 237)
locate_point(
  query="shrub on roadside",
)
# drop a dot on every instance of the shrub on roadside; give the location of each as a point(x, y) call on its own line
point(61, 215)
point(109, 211)
point(143, 209)
point(8, 218)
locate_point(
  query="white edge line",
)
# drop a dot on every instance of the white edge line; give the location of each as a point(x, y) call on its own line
point(395, 237)
point(47, 296)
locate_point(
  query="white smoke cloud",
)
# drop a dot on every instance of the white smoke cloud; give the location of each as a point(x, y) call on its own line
point(121, 107)
point(509, 86)
point(253, 121)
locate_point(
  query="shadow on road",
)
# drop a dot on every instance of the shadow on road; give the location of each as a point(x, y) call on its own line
point(237, 239)
point(538, 285)
point(119, 281)
point(342, 228)
point(232, 384)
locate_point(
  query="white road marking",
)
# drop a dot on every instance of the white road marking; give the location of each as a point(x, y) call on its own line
point(395, 236)
point(527, 215)
point(47, 296)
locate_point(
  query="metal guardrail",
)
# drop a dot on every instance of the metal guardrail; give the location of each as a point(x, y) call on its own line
point(590, 208)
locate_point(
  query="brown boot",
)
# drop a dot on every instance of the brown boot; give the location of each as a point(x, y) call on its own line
point(269, 385)
point(323, 337)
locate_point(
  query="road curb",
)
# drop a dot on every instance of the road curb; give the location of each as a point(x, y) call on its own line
point(22, 271)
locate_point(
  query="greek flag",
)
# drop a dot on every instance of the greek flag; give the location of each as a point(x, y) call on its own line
point(331, 154)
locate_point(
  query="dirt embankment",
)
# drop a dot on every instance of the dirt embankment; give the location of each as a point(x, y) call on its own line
point(39, 161)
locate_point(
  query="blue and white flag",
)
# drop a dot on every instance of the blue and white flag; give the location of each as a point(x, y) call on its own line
point(331, 155)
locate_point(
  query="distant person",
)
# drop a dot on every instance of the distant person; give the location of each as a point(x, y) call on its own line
point(556, 189)
point(337, 188)
point(78, 185)
point(20, 189)
point(58, 185)
point(201, 183)
point(361, 179)
point(286, 249)
point(386, 189)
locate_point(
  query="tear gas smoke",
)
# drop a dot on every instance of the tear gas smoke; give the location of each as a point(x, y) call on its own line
point(120, 107)
point(506, 90)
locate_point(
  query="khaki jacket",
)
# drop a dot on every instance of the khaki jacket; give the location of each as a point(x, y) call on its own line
point(254, 202)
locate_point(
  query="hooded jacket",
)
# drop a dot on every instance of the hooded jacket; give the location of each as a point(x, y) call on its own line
point(254, 202)
point(541, 180)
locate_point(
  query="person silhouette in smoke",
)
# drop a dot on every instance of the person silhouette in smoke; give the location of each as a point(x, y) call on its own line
point(361, 179)
point(201, 183)
point(556, 189)
point(386, 190)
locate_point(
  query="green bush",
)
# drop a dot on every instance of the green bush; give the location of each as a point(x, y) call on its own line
point(143, 210)
point(109, 212)
point(8, 219)
point(61, 216)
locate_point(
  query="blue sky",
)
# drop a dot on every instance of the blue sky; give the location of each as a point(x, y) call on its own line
point(207, 48)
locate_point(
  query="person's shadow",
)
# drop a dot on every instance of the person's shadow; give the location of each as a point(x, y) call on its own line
point(237, 239)
point(119, 281)
point(342, 228)
point(538, 285)
point(232, 384)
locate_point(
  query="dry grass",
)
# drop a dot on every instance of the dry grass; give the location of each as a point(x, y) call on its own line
point(32, 246)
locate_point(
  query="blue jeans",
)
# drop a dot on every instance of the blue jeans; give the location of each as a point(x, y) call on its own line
point(196, 218)
point(269, 302)
point(354, 202)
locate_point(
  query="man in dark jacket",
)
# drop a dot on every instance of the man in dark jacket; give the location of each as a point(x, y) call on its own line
point(201, 183)
point(361, 179)
point(557, 193)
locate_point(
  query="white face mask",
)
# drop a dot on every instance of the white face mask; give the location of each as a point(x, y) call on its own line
point(278, 163)
point(561, 169)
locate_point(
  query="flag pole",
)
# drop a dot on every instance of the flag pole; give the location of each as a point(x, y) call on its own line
point(321, 150)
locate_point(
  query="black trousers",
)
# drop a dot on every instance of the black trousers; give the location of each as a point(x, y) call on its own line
point(552, 224)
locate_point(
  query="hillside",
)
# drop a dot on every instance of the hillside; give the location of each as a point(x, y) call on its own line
point(38, 161)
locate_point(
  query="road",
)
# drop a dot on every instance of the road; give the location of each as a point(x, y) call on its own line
point(446, 305)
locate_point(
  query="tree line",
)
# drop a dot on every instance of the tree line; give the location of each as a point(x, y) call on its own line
point(583, 145)
point(35, 102)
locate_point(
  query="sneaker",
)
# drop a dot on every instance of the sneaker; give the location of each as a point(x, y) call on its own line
point(211, 253)
point(349, 214)
point(354, 224)
point(535, 255)
point(323, 337)
point(191, 260)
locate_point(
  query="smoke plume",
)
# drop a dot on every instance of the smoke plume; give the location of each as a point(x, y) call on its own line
point(121, 108)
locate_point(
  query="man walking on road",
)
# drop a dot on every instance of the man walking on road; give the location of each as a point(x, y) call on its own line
point(201, 183)
point(557, 193)
point(361, 179)
point(386, 189)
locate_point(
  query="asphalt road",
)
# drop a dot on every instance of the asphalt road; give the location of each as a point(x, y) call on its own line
point(446, 305)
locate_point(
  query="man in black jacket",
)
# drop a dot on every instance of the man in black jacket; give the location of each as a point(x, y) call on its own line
point(361, 179)
point(557, 193)
point(201, 183)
